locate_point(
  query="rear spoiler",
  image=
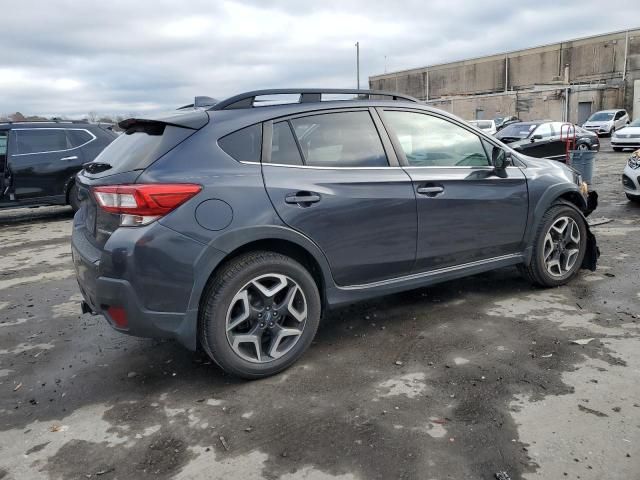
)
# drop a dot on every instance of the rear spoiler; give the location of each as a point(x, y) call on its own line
point(193, 120)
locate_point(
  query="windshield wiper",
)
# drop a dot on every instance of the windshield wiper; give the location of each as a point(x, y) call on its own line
point(96, 167)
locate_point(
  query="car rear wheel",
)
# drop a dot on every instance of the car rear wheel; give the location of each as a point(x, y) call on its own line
point(260, 314)
point(582, 146)
point(617, 149)
point(559, 248)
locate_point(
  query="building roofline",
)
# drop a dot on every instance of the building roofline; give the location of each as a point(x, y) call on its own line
point(499, 54)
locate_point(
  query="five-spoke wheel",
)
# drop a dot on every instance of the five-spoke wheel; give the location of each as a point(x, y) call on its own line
point(262, 311)
point(266, 318)
point(559, 248)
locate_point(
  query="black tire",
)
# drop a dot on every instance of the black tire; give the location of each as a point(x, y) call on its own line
point(536, 271)
point(73, 198)
point(633, 198)
point(229, 281)
point(617, 149)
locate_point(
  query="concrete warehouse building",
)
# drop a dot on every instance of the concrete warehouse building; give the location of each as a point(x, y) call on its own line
point(563, 81)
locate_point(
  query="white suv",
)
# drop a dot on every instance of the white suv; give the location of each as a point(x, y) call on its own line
point(631, 177)
point(605, 122)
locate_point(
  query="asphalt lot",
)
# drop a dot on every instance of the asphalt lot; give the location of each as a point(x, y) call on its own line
point(457, 381)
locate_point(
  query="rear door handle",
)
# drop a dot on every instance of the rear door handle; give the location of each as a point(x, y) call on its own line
point(68, 159)
point(302, 198)
point(431, 191)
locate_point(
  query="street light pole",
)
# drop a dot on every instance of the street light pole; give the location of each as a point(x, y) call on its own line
point(358, 63)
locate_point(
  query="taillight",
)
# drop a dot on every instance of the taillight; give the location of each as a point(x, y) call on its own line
point(142, 204)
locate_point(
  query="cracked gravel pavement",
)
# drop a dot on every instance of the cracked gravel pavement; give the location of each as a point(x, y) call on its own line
point(456, 381)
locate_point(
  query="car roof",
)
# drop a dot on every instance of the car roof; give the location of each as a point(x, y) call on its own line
point(610, 110)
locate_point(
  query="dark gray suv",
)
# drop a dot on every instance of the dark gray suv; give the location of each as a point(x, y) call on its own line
point(235, 228)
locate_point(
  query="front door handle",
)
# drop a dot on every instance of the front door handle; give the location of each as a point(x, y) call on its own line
point(68, 159)
point(430, 191)
point(304, 199)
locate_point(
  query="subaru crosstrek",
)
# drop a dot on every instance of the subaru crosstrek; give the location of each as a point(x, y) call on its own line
point(237, 227)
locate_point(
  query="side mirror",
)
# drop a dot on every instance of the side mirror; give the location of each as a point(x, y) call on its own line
point(502, 161)
point(536, 137)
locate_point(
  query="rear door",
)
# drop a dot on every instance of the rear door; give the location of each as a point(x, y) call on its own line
point(466, 211)
point(332, 177)
point(39, 162)
point(542, 142)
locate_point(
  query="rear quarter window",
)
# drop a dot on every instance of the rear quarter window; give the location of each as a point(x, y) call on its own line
point(78, 137)
point(244, 145)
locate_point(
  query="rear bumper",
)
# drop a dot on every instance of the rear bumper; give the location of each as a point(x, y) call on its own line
point(626, 142)
point(138, 270)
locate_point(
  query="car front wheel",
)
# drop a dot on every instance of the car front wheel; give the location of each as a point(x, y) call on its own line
point(260, 314)
point(559, 247)
point(633, 198)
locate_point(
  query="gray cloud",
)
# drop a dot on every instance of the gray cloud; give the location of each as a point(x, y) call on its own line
point(66, 57)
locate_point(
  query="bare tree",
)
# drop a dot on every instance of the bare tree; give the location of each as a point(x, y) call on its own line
point(92, 117)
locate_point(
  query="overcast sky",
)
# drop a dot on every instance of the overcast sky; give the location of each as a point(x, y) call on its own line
point(63, 57)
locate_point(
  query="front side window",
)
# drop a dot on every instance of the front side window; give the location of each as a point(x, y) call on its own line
point(40, 140)
point(429, 141)
point(345, 139)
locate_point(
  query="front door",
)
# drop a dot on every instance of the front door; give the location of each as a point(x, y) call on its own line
point(467, 212)
point(42, 161)
point(328, 176)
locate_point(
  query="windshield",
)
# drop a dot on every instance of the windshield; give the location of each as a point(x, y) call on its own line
point(518, 130)
point(601, 117)
point(635, 123)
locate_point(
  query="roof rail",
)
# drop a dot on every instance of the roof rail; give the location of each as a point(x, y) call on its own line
point(307, 95)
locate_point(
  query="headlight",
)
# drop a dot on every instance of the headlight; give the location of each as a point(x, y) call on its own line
point(634, 161)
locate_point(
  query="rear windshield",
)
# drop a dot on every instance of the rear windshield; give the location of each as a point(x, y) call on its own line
point(601, 117)
point(136, 149)
point(519, 130)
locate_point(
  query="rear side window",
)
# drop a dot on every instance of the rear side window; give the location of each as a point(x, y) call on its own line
point(346, 139)
point(245, 145)
point(284, 150)
point(40, 140)
point(79, 137)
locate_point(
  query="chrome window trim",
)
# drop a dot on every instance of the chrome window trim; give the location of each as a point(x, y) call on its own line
point(415, 276)
point(458, 167)
point(93, 137)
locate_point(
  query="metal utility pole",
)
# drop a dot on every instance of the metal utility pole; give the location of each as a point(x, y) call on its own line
point(358, 63)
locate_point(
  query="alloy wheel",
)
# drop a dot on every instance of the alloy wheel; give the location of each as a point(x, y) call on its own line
point(583, 146)
point(561, 246)
point(266, 318)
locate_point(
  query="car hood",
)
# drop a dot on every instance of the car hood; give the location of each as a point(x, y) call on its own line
point(628, 130)
point(542, 166)
point(595, 124)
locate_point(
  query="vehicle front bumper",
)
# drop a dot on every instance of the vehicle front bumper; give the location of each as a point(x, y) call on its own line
point(600, 130)
point(625, 142)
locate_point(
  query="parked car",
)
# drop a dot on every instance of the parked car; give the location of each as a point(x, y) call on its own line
point(39, 160)
point(545, 139)
point(627, 137)
point(237, 227)
point(605, 122)
point(631, 177)
point(502, 122)
point(489, 126)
